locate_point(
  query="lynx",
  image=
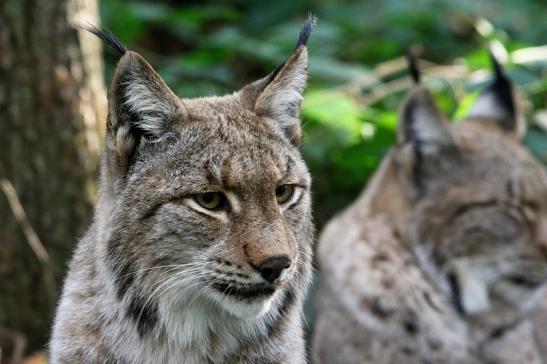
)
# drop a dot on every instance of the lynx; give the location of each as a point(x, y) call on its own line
point(442, 259)
point(200, 248)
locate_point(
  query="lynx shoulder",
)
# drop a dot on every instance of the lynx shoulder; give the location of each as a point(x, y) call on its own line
point(200, 247)
point(442, 259)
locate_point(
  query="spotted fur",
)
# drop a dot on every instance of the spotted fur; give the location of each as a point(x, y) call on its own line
point(160, 279)
point(442, 259)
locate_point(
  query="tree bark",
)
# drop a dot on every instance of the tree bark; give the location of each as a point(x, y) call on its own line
point(52, 109)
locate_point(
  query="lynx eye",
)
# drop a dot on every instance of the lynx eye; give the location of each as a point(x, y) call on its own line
point(528, 282)
point(284, 193)
point(211, 200)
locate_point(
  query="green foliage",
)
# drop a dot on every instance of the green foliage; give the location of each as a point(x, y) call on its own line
point(350, 109)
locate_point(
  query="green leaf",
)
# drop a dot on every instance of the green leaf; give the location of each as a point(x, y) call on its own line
point(465, 105)
point(335, 110)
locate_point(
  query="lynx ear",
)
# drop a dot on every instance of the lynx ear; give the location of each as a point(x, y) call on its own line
point(140, 105)
point(420, 121)
point(278, 96)
point(140, 101)
point(424, 137)
point(497, 104)
point(422, 124)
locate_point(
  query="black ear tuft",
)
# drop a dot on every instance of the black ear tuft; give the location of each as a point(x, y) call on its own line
point(413, 66)
point(502, 88)
point(141, 109)
point(278, 96)
point(496, 103)
point(306, 30)
point(106, 36)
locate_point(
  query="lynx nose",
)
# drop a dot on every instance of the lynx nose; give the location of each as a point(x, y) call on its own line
point(271, 268)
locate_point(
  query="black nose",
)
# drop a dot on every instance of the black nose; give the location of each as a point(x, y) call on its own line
point(271, 268)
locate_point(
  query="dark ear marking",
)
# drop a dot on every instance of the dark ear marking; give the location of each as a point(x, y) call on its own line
point(141, 107)
point(496, 103)
point(413, 66)
point(306, 30)
point(423, 136)
point(278, 96)
point(303, 36)
point(502, 88)
point(107, 37)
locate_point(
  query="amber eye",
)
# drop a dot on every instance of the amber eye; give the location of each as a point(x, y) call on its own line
point(284, 193)
point(211, 200)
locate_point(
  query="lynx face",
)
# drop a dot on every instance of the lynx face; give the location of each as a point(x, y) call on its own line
point(442, 258)
point(480, 210)
point(205, 201)
point(222, 210)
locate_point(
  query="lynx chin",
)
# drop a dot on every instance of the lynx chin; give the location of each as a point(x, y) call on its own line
point(200, 247)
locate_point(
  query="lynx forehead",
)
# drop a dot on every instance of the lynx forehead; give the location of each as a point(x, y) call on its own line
point(443, 257)
point(200, 250)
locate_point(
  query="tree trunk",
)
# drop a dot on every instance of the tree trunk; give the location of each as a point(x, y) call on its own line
point(52, 108)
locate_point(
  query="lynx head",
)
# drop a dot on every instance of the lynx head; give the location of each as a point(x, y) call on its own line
point(478, 207)
point(205, 201)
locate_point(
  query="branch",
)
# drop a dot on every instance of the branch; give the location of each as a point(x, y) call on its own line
point(21, 217)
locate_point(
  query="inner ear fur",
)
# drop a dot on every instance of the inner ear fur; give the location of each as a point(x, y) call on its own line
point(141, 108)
point(278, 96)
point(422, 124)
point(281, 98)
point(426, 147)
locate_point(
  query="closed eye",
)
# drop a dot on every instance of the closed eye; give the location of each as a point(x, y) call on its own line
point(525, 281)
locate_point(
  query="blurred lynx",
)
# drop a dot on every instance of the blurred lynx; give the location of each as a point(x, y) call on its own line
point(201, 244)
point(442, 259)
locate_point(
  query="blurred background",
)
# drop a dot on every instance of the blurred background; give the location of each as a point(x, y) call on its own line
point(52, 102)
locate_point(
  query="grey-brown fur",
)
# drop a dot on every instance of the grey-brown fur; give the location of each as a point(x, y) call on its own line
point(117, 306)
point(442, 259)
